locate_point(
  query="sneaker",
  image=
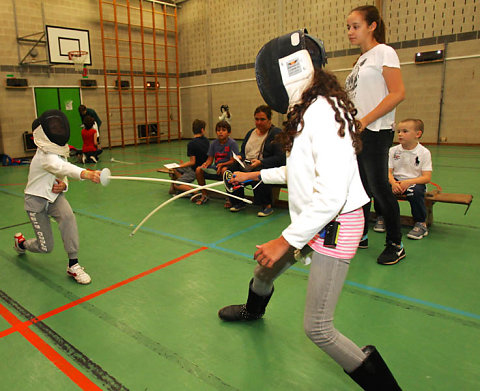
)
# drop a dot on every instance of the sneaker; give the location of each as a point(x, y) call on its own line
point(418, 231)
point(78, 272)
point(19, 238)
point(237, 208)
point(84, 158)
point(379, 225)
point(392, 254)
point(265, 212)
point(93, 159)
point(363, 242)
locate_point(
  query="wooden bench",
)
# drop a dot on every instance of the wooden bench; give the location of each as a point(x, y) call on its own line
point(432, 197)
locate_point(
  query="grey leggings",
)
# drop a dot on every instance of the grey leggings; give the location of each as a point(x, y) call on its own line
point(325, 282)
point(38, 210)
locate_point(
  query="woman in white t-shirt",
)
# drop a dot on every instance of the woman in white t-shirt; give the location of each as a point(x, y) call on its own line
point(375, 86)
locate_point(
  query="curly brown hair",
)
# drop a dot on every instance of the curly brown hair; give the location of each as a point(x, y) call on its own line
point(324, 84)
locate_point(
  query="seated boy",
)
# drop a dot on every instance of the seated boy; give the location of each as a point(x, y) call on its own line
point(219, 158)
point(197, 150)
point(409, 170)
point(90, 148)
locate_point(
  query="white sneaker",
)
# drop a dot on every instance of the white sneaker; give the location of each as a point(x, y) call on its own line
point(78, 272)
point(84, 158)
point(93, 158)
point(19, 238)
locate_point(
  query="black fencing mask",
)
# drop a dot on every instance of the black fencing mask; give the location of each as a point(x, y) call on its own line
point(55, 126)
point(284, 67)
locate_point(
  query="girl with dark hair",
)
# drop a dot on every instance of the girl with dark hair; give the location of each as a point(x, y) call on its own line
point(375, 86)
point(325, 198)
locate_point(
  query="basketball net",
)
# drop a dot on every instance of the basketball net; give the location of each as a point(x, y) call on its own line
point(78, 57)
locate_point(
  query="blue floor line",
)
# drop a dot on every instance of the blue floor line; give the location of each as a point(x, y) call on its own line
point(251, 228)
point(250, 256)
point(401, 297)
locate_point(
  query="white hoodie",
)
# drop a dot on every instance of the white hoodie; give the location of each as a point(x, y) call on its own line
point(48, 164)
point(321, 173)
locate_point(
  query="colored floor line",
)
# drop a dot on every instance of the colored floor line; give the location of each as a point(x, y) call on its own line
point(250, 256)
point(154, 346)
point(23, 325)
point(63, 365)
point(107, 381)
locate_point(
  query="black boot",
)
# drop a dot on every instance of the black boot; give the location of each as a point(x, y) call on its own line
point(252, 310)
point(373, 374)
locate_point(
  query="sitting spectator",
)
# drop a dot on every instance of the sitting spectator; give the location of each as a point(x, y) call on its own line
point(90, 149)
point(197, 150)
point(219, 158)
point(409, 170)
point(259, 150)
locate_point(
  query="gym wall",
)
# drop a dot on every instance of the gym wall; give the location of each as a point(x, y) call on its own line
point(218, 42)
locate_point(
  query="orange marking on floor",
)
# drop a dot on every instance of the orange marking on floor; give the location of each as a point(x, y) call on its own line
point(20, 326)
point(68, 369)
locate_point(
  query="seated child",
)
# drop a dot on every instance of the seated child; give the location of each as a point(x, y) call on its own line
point(219, 158)
point(409, 170)
point(45, 192)
point(90, 148)
point(197, 150)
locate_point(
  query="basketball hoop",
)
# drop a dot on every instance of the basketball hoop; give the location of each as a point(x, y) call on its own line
point(78, 57)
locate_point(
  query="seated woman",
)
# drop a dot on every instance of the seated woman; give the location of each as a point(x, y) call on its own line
point(259, 150)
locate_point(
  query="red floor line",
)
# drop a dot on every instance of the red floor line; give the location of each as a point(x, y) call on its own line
point(61, 363)
point(19, 326)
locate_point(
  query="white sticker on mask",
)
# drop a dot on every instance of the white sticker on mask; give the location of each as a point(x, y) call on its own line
point(295, 39)
point(294, 67)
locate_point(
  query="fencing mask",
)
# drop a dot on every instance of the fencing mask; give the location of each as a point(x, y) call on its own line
point(55, 126)
point(284, 67)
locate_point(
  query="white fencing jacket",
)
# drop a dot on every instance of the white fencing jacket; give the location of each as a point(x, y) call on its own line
point(321, 173)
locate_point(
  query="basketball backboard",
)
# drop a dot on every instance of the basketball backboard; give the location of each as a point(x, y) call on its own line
point(61, 40)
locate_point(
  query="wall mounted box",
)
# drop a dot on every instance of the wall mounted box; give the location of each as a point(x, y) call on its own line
point(14, 82)
point(427, 57)
point(124, 84)
point(28, 143)
point(88, 83)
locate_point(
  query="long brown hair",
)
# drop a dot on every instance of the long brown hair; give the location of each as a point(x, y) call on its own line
point(371, 14)
point(324, 84)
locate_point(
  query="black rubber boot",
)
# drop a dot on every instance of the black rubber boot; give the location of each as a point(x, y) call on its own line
point(252, 310)
point(373, 374)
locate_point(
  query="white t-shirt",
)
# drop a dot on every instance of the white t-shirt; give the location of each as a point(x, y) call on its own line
point(408, 164)
point(366, 85)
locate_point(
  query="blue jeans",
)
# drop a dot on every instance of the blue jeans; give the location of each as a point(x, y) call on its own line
point(373, 166)
point(416, 197)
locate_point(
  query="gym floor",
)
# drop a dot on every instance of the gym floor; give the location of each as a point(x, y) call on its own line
point(148, 320)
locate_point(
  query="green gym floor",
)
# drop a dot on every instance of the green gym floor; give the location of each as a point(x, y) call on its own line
point(148, 320)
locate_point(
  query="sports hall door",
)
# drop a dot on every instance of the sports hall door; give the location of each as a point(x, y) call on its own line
point(67, 100)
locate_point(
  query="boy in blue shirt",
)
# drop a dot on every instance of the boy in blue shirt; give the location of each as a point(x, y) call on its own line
point(219, 158)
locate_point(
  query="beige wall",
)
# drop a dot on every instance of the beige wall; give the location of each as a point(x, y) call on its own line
point(218, 42)
point(227, 35)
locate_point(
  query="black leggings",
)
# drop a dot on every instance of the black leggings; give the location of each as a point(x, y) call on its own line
point(373, 165)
